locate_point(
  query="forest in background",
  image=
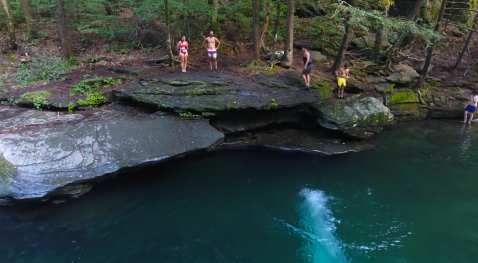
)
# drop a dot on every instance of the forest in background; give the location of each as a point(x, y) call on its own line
point(42, 39)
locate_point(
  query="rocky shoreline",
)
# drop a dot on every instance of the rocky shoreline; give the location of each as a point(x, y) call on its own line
point(48, 156)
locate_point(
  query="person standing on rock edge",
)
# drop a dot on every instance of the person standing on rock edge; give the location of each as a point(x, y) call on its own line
point(341, 80)
point(210, 45)
point(471, 107)
point(182, 48)
point(308, 66)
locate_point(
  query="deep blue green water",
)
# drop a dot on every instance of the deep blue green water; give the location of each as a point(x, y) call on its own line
point(414, 199)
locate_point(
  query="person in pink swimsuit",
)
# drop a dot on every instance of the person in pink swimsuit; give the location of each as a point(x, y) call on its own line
point(182, 47)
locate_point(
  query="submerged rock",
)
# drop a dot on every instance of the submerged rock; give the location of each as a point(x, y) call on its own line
point(312, 142)
point(360, 118)
point(64, 159)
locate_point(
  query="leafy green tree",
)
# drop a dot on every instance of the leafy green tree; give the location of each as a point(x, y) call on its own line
point(468, 40)
point(432, 46)
point(413, 16)
point(345, 40)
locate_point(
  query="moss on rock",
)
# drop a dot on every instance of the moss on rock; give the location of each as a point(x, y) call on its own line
point(409, 111)
point(403, 97)
point(6, 169)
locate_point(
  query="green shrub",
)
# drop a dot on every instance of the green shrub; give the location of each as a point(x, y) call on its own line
point(94, 100)
point(89, 85)
point(71, 106)
point(38, 98)
point(41, 68)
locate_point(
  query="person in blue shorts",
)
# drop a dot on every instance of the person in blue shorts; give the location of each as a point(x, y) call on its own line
point(471, 107)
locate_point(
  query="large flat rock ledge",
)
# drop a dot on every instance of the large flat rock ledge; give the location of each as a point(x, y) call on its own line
point(63, 159)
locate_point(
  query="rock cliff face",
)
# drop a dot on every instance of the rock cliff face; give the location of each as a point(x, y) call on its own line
point(48, 156)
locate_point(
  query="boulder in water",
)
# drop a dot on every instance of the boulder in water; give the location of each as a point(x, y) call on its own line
point(360, 118)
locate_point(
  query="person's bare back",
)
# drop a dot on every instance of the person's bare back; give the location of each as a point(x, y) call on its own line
point(473, 100)
point(471, 107)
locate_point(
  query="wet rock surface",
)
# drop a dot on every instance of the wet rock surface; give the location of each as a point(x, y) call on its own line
point(214, 92)
point(312, 142)
point(409, 111)
point(360, 118)
point(18, 118)
point(65, 158)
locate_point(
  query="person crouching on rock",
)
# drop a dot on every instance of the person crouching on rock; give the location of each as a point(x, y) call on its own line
point(183, 53)
point(471, 107)
point(308, 66)
point(341, 81)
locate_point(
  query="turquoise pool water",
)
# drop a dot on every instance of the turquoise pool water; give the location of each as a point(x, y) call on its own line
point(414, 199)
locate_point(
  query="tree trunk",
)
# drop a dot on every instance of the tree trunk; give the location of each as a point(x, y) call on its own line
point(63, 29)
point(276, 28)
point(31, 26)
point(430, 49)
point(343, 48)
point(264, 30)
point(168, 32)
point(287, 60)
point(345, 41)
point(215, 4)
point(413, 15)
point(12, 43)
point(108, 9)
point(255, 27)
point(377, 48)
point(475, 20)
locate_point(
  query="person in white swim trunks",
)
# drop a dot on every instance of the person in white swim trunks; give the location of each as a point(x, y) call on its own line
point(210, 45)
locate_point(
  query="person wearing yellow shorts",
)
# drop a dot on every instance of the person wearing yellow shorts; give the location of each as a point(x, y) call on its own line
point(341, 80)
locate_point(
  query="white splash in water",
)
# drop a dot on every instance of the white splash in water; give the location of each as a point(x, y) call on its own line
point(322, 246)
